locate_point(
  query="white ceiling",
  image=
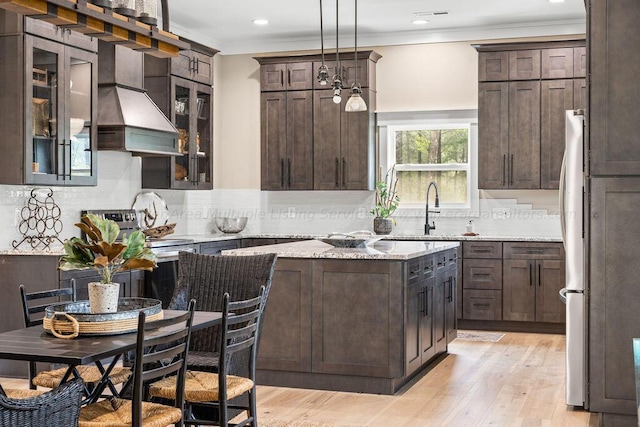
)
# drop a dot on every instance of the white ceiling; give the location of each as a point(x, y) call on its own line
point(295, 24)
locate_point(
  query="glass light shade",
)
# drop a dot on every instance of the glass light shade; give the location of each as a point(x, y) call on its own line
point(355, 103)
point(337, 99)
point(125, 7)
point(147, 11)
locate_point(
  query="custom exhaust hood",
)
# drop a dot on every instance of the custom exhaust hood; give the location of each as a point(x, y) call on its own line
point(128, 120)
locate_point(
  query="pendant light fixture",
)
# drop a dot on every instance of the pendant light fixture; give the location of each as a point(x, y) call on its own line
point(355, 103)
point(337, 78)
point(323, 71)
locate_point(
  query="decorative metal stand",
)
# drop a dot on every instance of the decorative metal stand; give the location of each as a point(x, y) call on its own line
point(40, 223)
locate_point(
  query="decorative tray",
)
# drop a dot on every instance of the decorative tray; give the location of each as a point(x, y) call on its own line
point(69, 320)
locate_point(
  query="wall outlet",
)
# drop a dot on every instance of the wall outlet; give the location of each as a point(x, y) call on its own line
point(501, 213)
point(291, 212)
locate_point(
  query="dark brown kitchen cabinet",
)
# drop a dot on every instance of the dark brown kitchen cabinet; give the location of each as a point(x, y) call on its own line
point(509, 132)
point(524, 64)
point(286, 76)
point(48, 102)
point(419, 334)
point(287, 140)
point(216, 248)
point(131, 282)
point(557, 63)
point(493, 66)
point(344, 145)
point(557, 96)
point(193, 65)
point(521, 119)
point(307, 141)
point(533, 274)
point(188, 103)
point(482, 280)
point(285, 344)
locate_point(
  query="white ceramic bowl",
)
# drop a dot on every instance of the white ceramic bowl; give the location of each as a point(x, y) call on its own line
point(231, 224)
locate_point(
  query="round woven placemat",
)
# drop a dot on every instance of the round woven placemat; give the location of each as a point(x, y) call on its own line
point(107, 327)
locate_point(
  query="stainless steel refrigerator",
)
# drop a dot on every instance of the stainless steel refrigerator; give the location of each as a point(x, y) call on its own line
point(571, 192)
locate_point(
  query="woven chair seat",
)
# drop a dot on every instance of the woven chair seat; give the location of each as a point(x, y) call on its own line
point(201, 387)
point(90, 374)
point(22, 393)
point(117, 413)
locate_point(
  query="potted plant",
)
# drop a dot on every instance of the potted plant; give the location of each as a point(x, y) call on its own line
point(387, 201)
point(101, 252)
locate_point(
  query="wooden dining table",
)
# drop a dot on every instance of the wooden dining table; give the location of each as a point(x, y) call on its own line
point(34, 344)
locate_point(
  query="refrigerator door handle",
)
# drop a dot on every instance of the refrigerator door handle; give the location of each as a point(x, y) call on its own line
point(561, 196)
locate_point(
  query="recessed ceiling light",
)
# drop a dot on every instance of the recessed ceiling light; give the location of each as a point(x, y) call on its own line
point(556, 1)
point(258, 21)
point(420, 22)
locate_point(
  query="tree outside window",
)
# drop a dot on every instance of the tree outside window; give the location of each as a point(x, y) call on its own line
point(439, 154)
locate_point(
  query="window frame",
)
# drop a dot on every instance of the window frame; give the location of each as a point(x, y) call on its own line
point(389, 123)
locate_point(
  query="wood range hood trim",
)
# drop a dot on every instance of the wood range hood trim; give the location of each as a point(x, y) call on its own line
point(95, 21)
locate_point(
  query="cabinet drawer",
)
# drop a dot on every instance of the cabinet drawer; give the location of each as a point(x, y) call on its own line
point(482, 250)
point(482, 274)
point(482, 305)
point(528, 250)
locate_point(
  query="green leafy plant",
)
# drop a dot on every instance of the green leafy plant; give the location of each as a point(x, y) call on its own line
point(101, 251)
point(387, 199)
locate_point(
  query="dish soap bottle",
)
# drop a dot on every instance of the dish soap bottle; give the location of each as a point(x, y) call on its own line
point(470, 227)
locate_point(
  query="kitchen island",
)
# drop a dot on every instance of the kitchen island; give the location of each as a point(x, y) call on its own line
point(360, 320)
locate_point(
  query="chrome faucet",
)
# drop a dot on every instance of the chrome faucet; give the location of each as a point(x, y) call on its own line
point(428, 227)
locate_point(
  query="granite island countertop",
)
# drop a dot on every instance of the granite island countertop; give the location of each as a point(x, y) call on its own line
point(380, 250)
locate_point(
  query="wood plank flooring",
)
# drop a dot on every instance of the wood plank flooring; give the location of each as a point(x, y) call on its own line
point(517, 381)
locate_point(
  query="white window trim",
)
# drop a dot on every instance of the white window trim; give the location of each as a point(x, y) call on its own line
point(389, 123)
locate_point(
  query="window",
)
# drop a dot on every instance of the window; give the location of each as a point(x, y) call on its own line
point(436, 146)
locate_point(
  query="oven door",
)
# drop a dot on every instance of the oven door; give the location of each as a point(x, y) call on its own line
point(161, 282)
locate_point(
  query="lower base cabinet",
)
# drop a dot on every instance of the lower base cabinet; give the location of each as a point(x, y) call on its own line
point(355, 325)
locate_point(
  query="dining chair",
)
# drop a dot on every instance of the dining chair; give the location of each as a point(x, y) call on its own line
point(239, 332)
point(207, 278)
point(157, 356)
point(59, 407)
point(33, 311)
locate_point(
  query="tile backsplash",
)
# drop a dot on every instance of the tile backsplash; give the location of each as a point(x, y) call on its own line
point(292, 212)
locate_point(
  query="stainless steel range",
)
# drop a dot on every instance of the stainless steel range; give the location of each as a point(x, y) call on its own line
point(161, 282)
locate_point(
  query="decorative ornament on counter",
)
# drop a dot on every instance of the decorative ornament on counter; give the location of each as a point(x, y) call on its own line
point(40, 223)
point(153, 214)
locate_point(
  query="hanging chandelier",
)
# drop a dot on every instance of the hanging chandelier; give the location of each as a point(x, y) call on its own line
point(323, 71)
point(337, 78)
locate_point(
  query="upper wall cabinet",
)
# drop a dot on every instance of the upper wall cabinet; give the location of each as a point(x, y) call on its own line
point(524, 90)
point(182, 88)
point(48, 104)
point(307, 141)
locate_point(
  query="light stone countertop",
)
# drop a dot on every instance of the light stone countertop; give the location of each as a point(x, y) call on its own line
point(380, 250)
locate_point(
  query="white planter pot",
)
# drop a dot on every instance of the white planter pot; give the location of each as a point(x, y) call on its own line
point(103, 297)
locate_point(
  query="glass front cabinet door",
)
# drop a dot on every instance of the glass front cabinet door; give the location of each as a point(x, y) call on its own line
point(49, 132)
point(60, 149)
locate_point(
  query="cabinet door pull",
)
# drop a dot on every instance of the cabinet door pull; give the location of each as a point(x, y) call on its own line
point(289, 172)
point(426, 302)
point(504, 170)
point(288, 77)
point(451, 289)
point(281, 173)
point(530, 274)
point(344, 172)
point(421, 302)
point(511, 171)
point(539, 273)
point(337, 172)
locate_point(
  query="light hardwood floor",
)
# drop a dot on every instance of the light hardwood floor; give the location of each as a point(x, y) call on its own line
point(517, 381)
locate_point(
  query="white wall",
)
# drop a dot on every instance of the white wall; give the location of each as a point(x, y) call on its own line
point(409, 78)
